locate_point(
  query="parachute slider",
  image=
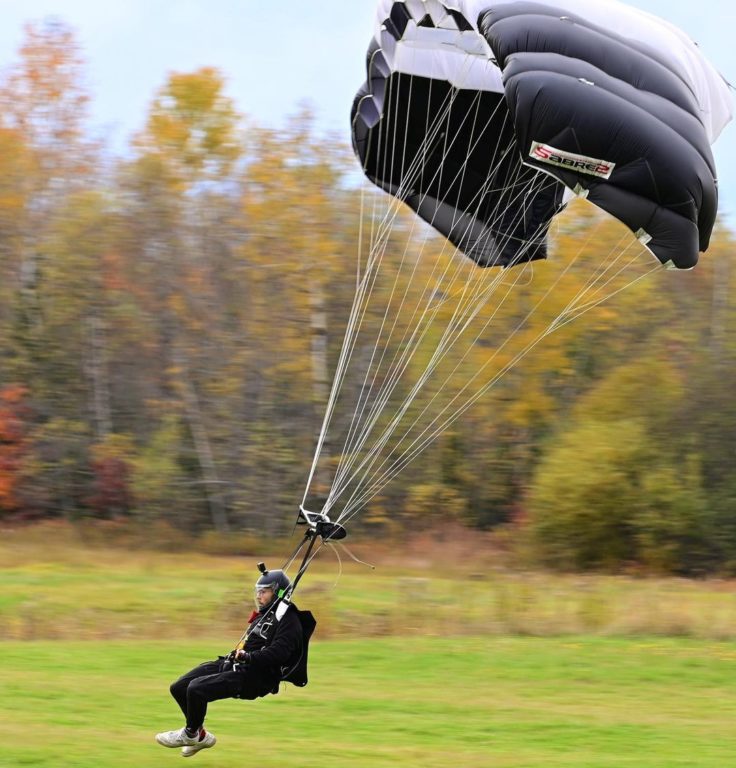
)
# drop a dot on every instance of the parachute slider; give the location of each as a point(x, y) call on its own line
point(321, 525)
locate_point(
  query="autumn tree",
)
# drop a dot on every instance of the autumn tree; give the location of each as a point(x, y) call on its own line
point(640, 457)
point(178, 186)
point(44, 99)
point(14, 446)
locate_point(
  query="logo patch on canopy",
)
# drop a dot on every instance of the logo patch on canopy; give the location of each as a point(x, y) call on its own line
point(573, 162)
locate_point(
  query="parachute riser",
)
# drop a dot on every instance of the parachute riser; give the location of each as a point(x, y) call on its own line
point(321, 525)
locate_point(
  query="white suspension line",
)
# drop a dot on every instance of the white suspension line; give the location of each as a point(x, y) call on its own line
point(429, 280)
point(417, 448)
point(380, 331)
point(344, 358)
point(441, 353)
point(347, 348)
point(373, 251)
point(576, 312)
point(397, 315)
point(418, 155)
point(375, 452)
point(481, 271)
point(596, 290)
point(473, 296)
point(432, 363)
point(382, 442)
point(417, 419)
point(498, 349)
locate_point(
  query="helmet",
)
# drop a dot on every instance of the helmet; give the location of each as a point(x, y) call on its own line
point(276, 580)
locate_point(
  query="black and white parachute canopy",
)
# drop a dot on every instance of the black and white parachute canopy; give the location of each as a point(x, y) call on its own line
point(466, 101)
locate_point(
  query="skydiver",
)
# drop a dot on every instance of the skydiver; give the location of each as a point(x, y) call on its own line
point(273, 649)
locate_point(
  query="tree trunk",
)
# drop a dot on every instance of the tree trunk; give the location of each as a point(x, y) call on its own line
point(320, 381)
point(205, 457)
point(97, 372)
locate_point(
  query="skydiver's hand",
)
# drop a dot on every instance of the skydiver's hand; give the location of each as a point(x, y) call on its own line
point(240, 655)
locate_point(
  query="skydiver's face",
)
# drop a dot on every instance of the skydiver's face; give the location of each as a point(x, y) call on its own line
point(264, 597)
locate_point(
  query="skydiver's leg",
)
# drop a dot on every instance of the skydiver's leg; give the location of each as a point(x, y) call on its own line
point(179, 688)
point(202, 690)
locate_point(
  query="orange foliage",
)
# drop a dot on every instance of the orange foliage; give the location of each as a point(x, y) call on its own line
point(110, 495)
point(13, 443)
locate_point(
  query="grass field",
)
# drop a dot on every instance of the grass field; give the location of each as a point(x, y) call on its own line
point(410, 702)
point(54, 587)
point(435, 661)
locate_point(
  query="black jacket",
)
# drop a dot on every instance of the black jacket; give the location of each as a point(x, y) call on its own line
point(277, 650)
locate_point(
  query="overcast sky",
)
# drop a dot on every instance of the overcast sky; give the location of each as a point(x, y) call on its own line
point(275, 55)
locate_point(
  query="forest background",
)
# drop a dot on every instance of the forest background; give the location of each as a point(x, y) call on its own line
point(158, 367)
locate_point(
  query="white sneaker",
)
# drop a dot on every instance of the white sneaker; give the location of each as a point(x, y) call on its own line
point(208, 741)
point(176, 739)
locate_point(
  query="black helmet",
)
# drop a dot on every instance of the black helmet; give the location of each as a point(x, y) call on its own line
point(276, 580)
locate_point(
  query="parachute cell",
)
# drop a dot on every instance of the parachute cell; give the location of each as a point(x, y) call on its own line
point(486, 118)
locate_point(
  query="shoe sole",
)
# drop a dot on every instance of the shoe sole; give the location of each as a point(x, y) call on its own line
point(191, 751)
point(171, 746)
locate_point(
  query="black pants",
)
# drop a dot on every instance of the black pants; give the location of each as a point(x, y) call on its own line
point(207, 682)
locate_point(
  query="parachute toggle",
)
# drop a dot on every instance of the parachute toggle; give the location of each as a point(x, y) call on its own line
point(321, 525)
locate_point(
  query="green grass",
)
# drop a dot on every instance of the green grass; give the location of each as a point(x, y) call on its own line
point(54, 587)
point(414, 665)
point(409, 702)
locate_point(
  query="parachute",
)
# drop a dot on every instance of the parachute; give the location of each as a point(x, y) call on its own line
point(487, 119)
point(466, 101)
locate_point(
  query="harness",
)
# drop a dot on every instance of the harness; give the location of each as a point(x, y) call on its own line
point(318, 526)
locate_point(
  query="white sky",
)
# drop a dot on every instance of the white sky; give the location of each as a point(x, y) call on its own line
point(276, 55)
